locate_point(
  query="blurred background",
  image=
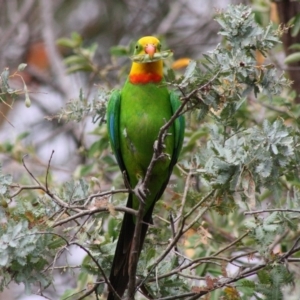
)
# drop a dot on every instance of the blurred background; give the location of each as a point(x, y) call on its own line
point(28, 33)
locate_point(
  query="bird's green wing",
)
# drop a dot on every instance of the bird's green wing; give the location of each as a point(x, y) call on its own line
point(179, 127)
point(113, 126)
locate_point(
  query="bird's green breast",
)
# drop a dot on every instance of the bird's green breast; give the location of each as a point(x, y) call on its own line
point(145, 108)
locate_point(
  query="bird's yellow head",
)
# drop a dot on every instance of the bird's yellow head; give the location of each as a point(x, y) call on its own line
point(147, 63)
point(147, 45)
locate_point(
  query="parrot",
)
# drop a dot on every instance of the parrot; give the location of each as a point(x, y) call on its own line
point(135, 115)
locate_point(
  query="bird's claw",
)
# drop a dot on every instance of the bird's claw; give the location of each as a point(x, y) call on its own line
point(158, 147)
point(141, 191)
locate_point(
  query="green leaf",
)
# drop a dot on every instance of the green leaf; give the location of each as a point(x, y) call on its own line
point(98, 147)
point(4, 258)
point(263, 276)
point(250, 224)
point(74, 42)
point(119, 51)
point(170, 75)
point(259, 234)
point(56, 243)
point(292, 58)
point(84, 170)
point(271, 218)
point(80, 67)
point(296, 25)
point(66, 43)
point(75, 59)
point(295, 46)
point(23, 135)
point(270, 227)
point(145, 58)
point(264, 168)
point(22, 67)
point(189, 71)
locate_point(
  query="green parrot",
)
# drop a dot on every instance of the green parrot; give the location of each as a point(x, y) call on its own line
point(134, 116)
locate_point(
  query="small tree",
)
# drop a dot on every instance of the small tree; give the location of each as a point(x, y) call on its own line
point(231, 210)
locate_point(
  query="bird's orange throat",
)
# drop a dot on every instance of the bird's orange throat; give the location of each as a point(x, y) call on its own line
point(144, 78)
point(142, 73)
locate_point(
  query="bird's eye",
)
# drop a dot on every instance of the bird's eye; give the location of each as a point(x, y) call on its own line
point(137, 47)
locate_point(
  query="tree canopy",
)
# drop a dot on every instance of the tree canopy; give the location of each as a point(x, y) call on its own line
point(227, 225)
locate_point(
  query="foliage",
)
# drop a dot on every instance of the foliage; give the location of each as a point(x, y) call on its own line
point(7, 92)
point(76, 110)
point(233, 205)
point(82, 60)
point(23, 254)
point(295, 24)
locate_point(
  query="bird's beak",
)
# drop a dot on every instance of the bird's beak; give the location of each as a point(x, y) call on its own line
point(150, 49)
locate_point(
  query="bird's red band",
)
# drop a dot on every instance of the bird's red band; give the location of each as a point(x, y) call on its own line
point(144, 78)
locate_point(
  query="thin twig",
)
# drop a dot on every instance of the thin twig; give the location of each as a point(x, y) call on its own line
point(102, 194)
point(165, 253)
point(184, 196)
point(100, 269)
point(21, 188)
point(271, 210)
point(46, 9)
point(182, 296)
point(79, 292)
point(173, 231)
point(18, 19)
point(79, 229)
point(23, 162)
point(201, 213)
point(201, 202)
point(48, 167)
point(242, 255)
point(232, 244)
point(293, 248)
point(89, 254)
point(95, 211)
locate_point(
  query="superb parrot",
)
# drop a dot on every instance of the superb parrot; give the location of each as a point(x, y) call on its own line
point(134, 116)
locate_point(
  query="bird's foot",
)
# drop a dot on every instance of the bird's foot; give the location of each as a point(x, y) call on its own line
point(158, 147)
point(141, 191)
point(159, 154)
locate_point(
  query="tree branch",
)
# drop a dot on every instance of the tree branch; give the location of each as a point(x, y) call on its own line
point(134, 251)
point(54, 56)
point(95, 211)
point(18, 18)
point(271, 210)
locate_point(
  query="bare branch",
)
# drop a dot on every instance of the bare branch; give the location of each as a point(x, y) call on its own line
point(18, 18)
point(21, 188)
point(232, 244)
point(91, 212)
point(134, 251)
point(33, 177)
point(46, 8)
point(271, 210)
point(293, 248)
point(186, 189)
point(99, 195)
point(48, 167)
point(201, 213)
point(99, 267)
